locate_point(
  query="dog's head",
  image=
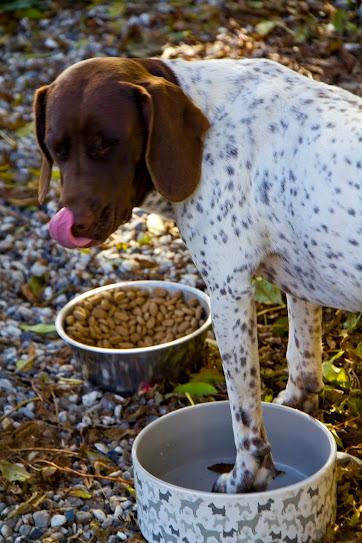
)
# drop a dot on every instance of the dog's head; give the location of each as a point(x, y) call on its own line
point(116, 128)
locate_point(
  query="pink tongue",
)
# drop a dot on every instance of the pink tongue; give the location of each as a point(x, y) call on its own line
point(60, 229)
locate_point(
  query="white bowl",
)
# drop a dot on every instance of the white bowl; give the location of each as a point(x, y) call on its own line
point(171, 457)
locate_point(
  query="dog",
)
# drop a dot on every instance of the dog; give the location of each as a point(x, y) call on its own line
point(262, 169)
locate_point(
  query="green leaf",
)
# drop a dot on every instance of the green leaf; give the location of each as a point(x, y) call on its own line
point(264, 27)
point(146, 239)
point(337, 439)
point(37, 284)
point(256, 4)
point(266, 293)
point(352, 321)
point(80, 493)
point(117, 8)
point(281, 327)
point(41, 328)
point(339, 20)
point(13, 472)
point(359, 349)
point(25, 365)
point(355, 403)
point(25, 130)
point(196, 388)
point(333, 374)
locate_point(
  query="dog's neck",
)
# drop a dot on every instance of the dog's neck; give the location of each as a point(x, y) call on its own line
point(211, 84)
point(155, 203)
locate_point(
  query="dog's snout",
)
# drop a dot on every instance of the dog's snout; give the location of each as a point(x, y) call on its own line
point(83, 220)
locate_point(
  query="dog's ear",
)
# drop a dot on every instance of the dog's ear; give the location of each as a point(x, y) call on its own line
point(176, 130)
point(47, 162)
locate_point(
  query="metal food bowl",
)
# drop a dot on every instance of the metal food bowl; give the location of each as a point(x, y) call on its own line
point(172, 457)
point(125, 370)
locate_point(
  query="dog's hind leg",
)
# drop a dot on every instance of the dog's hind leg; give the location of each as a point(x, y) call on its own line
point(304, 355)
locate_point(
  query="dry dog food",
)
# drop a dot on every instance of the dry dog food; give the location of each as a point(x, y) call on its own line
point(133, 317)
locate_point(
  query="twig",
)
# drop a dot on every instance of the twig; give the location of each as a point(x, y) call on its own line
point(85, 475)
point(45, 449)
point(7, 138)
point(19, 406)
point(270, 309)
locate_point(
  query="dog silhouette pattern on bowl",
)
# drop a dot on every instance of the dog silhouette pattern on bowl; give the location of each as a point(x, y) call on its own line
point(301, 516)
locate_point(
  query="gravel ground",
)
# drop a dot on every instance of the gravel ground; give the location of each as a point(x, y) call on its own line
point(71, 441)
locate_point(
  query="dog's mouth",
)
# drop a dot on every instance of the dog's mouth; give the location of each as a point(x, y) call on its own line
point(61, 228)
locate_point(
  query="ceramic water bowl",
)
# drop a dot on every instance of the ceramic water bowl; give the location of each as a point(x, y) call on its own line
point(171, 457)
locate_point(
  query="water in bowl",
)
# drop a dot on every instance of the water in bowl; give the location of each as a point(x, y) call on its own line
point(196, 475)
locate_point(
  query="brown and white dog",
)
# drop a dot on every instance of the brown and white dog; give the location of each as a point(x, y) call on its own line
point(263, 168)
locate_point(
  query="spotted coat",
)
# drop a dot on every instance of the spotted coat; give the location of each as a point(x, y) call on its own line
point(281, 196)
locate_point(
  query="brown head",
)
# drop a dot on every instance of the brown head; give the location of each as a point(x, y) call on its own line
point(117, 128)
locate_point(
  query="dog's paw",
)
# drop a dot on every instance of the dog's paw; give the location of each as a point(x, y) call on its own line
point(307, 402)
point(246, 480)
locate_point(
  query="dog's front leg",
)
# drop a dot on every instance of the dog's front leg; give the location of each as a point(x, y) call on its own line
point(234, 321)
point(304, 355)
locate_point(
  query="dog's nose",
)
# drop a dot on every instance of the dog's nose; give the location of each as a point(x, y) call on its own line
point(83, 220)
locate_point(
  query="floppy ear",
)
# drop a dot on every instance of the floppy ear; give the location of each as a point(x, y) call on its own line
point(176, 130)
point(47, 162)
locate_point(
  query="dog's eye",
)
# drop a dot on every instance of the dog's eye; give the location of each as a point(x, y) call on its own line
point(101, 147)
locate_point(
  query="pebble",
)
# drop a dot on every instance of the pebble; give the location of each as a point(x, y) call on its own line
point(83, 517)
point(36, 534)
point(41, 518)
point(24, 530)
point(156, 225)
point(5, 530)
point(90, 398)
point(99, 514)
point(58, 520)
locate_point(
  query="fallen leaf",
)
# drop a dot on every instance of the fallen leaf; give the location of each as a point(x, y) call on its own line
point(265, 27)
point(196, 388)
point(13, 472)
point(41, 328)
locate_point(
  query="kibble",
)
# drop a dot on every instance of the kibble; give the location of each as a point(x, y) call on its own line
point(131, 318)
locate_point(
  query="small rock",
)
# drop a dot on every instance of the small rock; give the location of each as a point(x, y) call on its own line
point(25, 530)
point(101, 448)
point(155, 225)
point(83, 517)
point(122, 536)
point(90, 398)
point(50, 43)
point(99, 514)
point(118, 512)
point(58, 520)
point(41, 518)
point(6, 384)
point(69, 514)
point(36, 534)
point(6, 531)
point(38, 269)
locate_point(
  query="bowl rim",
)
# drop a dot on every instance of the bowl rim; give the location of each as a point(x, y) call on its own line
point(331, 460)
point(137, 350)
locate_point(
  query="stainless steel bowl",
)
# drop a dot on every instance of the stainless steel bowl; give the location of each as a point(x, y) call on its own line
point(125, 370)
